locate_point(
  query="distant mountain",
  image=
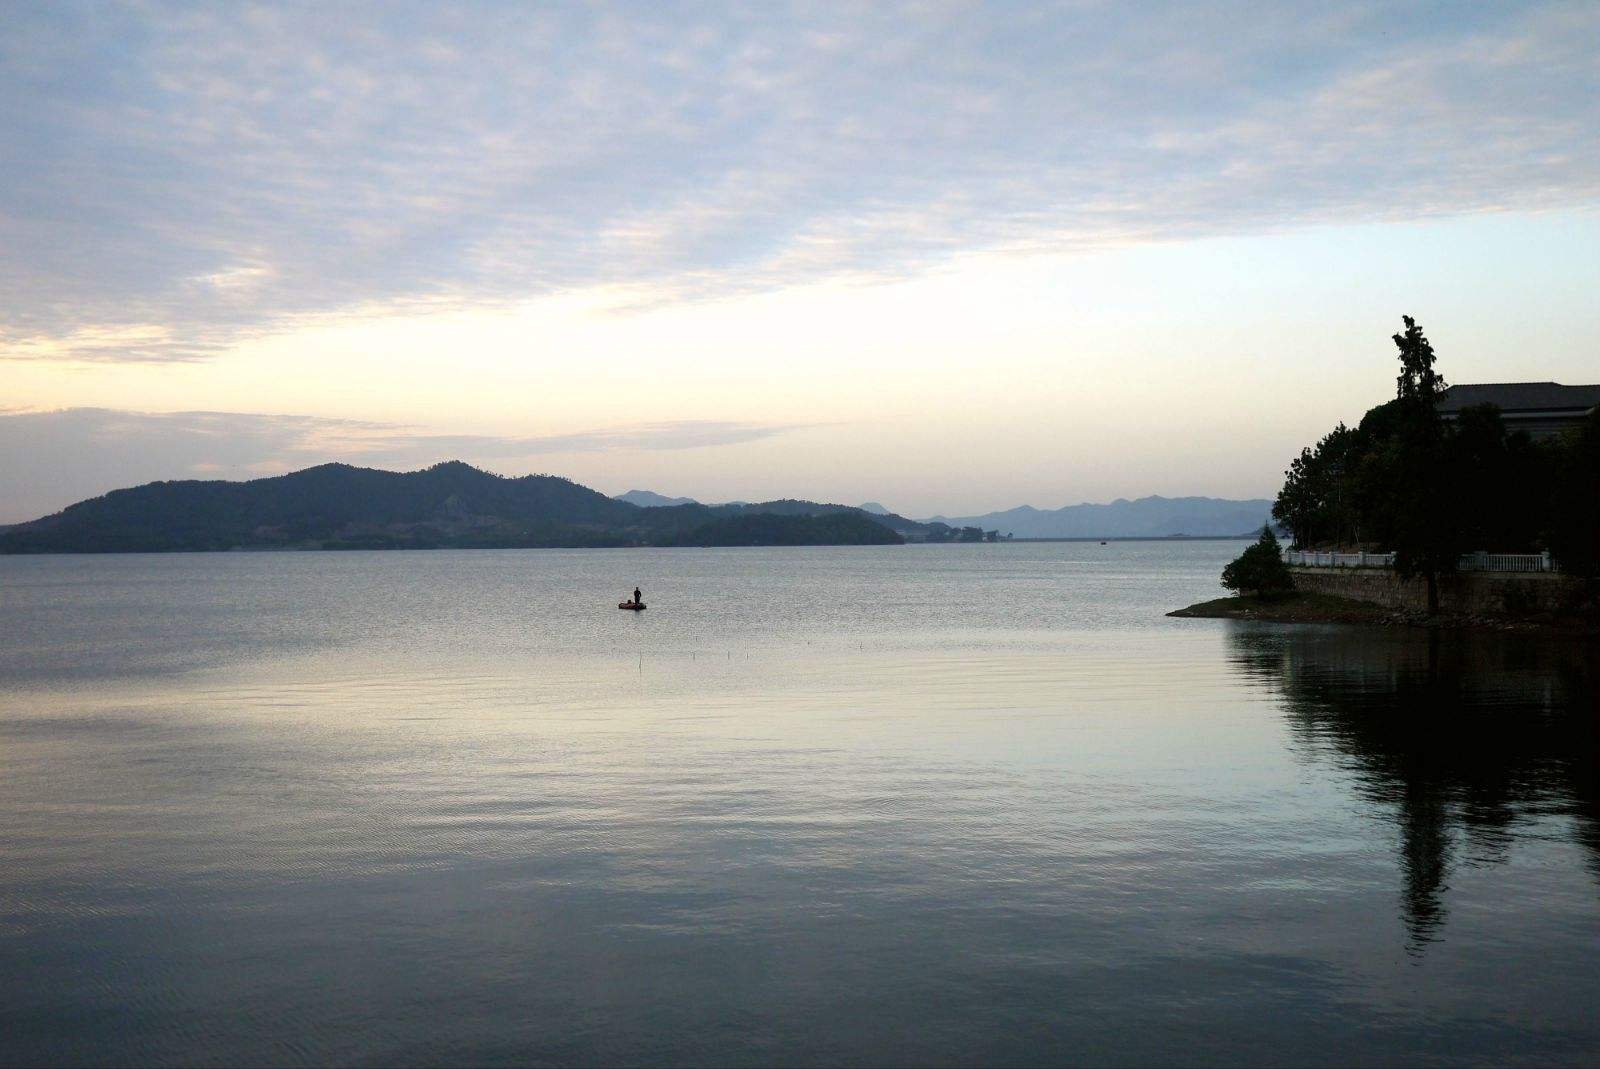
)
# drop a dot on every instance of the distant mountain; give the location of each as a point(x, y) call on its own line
point(336, 506)
point(1147, 517)
point(911, 530)
point(648, 499)
point(850, 528)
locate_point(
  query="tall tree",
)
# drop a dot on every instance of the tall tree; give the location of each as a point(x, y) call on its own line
point(1298, 502)
point(1420, 386)
point(1427, 531)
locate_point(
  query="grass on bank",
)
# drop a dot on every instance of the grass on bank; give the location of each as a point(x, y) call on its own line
point(1297, 607)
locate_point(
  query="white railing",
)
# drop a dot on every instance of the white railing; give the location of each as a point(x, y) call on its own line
point(1311, 558)
point(1469, 562)
point(1504, 562)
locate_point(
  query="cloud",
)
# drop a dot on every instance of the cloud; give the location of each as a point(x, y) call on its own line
point(50, 459)
point(683, 434)
point(176, 178)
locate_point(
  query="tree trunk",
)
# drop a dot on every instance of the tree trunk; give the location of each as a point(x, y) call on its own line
point(1433, 593)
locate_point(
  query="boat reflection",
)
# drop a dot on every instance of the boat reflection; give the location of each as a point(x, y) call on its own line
point(1464, 737)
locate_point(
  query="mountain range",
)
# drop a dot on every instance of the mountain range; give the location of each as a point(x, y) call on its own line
point(337, 506)
point(1146, 517)
point(647, 499)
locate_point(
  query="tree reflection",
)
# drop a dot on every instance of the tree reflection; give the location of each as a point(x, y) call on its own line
point(1463, 737)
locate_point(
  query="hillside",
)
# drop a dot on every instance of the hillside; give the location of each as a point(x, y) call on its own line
point(911, 530)
point(336, 506)
point(767, 529)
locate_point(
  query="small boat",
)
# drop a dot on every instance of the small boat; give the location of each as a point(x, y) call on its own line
point(636, 606)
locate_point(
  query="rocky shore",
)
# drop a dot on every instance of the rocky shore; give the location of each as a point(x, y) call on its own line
point(1310, 608)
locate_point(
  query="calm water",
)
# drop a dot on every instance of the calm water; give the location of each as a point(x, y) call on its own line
point(953, 805)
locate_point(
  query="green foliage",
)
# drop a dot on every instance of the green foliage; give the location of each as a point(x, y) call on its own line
point(1259, 569)
point(1404, 480)
point(1575, 499)
point(1501, 484)
point(767, 529)
point(1311, 504)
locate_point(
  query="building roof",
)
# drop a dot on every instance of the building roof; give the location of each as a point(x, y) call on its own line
point(1520, 397)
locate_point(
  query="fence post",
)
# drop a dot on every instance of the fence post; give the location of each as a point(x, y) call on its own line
point(1544, 561)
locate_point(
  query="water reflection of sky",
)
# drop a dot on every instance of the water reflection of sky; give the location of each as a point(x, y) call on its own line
point(1040, 823)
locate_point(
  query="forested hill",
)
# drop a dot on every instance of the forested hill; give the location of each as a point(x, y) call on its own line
point(336, 506)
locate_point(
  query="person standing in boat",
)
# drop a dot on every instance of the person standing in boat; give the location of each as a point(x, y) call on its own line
point(636, 598)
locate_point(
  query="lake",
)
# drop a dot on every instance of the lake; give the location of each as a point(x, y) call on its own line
point(922, 804)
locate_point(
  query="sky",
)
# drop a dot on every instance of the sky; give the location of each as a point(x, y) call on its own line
point(949, 257)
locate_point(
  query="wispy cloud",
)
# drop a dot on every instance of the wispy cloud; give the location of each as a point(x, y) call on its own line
point(51, 459)
point(684, 434)
point(175, 177)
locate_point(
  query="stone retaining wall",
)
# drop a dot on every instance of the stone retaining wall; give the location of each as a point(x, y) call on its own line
point(1466, 593)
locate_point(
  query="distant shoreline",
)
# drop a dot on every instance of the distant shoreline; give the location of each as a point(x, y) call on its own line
point(570, 549)
point(1143, 538)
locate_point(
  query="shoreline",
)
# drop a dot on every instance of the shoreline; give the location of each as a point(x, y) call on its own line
point(1136, 538)
point(1311, 608)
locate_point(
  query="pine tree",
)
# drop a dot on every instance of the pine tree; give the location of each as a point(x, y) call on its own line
point(1427, 533)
